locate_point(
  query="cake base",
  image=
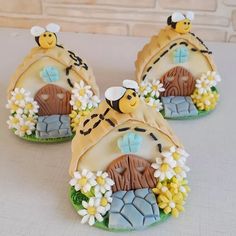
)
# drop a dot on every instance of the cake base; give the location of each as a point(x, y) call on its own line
point(76, 203)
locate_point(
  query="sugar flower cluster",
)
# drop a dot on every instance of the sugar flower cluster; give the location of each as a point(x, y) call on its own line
point(97, 187)
point(23, 110)
point(150, 93)
point(83, 101)
point(205, 97)
point(170, 171)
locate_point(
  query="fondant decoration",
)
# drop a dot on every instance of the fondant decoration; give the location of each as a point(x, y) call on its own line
point(178, 106)
point(129, 143)
point(123, 99)
point(50, 74)
point(183, 66)
point(54, 126)
point(181, 55)
point(127, 154)
point(134, 209)
point(60, 85)
point(181, 23)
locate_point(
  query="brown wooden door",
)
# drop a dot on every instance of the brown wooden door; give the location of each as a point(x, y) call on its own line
point(131, 172)
point(52, 100)
point(178, 82)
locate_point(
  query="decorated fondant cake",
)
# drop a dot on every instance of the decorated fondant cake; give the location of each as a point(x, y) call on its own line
point(176, 72)
point(50, 91)
point(128, 169)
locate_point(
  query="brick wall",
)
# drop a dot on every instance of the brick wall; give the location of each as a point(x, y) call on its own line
point(215, 20)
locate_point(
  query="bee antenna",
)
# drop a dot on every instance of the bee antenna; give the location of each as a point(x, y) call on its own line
point(169, 20)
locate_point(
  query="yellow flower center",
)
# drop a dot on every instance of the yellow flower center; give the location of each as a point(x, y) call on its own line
point(78, 103)
point(100, 180)
point(91, 210)
point(142, 88)
point(164, 167)
point(178, 170)
point(82, 181)
point(14, 107)
point(24, 128)
point(19, 96)
point(29, 106)
point(176, 156)
point(154, 87)
point(82, 92)
point(15, 120)
point(210, 78)
point(104, 202)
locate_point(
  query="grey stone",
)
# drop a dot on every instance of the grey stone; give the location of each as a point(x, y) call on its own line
point(178, 106)
point(41, 126)
point(54, 126)
point(133, 209)
point(141, 192)
point(143, 206)
point(119, 194)
point(129, 196)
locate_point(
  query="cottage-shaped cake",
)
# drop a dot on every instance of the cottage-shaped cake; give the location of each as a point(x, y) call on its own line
point(50, 91)
point(176, 71)
point(128, 168)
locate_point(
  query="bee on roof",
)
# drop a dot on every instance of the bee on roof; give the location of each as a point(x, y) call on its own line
point(123, 99)
point(181, 23)
point(46, 37)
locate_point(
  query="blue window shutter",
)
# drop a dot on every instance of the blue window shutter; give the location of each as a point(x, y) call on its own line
point(130, 143)
point(50, 74)
point(181, 55)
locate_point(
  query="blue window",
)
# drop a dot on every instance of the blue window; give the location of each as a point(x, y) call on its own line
point(50, 74)
point(181, 55)
point(130, 143)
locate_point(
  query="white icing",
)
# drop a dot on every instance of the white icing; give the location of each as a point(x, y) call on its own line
point(114, 93)
point(37, 31)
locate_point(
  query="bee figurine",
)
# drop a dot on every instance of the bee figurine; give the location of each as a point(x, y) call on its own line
point(181, 23)
point(123, 99)
point(46, 37)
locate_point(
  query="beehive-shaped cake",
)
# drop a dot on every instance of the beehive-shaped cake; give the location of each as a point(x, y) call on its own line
point(176, 72)
point(128, 169)
point(50, 91)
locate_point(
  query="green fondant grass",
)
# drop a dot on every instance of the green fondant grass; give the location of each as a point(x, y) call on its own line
point(33, 138)
point(76, 199)
point(200, 113)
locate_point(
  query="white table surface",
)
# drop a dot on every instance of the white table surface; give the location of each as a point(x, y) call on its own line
point(34, 177)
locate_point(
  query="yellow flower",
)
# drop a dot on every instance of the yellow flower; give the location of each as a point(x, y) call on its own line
point(206, 101)
point(179, 186)
point(171, 203)
point(160, 188)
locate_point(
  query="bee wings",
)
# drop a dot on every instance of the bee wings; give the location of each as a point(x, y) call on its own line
point(37, 30)
point(130, 84)
point(178, 16)
point(114, 93)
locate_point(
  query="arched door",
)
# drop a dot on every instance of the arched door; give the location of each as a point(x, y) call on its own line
point(53, 100)
point(131, 172)
point(178, 82)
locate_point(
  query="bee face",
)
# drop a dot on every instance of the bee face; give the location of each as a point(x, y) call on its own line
point(129, 102)
point(47, 40)
point(183, 26)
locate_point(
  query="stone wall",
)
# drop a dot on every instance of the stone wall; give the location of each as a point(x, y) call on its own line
point(215, 19)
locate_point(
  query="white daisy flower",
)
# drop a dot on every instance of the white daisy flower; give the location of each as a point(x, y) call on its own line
point(13, 121)
point(92, 211)
point(157, 88)
point(105, 200)
point(83, 180)
point(104, 183)
point(82, 90)
point(181, 171)
point(24, 127)
point(31, 107)
point(14, 108)
point(164, 168)
point(178, 154)
point(203, 84)
point(93, 102)
point(20, 96)
point(79, 103)
point(213, 78)
point(145, 88)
